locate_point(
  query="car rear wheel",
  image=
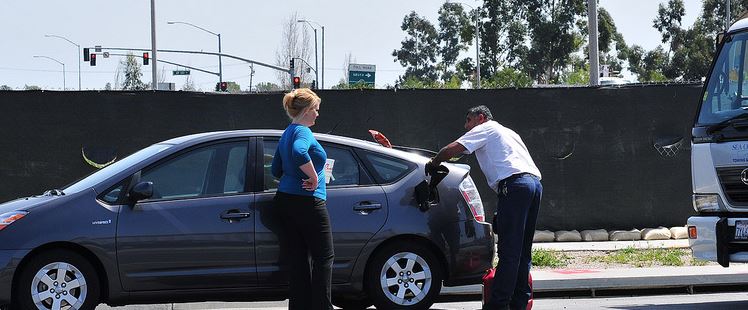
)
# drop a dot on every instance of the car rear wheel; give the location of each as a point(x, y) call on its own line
point(404, 277)
point(58, 279)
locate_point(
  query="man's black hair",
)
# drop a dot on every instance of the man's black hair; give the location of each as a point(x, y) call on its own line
point(481, 109)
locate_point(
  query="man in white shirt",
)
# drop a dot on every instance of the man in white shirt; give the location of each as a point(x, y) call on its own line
point(512, 174)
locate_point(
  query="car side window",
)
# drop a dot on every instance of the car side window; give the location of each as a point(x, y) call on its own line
point(271, 182)
point(342, 167)
point(113, 194)
point(211, 170)
point(389, 169)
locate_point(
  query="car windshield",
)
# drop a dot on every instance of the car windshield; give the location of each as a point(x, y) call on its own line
point(106, 172)
point(726, 94)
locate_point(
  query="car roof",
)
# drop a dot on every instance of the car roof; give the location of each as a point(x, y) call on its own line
point(198, 138)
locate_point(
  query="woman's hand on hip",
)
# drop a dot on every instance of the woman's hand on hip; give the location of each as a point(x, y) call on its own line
point(310, 184)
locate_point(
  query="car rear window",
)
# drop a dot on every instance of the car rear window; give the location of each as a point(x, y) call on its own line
point(388, 169)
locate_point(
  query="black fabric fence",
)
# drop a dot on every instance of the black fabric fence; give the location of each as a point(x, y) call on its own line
point(613, 158)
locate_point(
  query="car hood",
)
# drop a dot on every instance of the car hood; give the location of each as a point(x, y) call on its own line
point(25, 203)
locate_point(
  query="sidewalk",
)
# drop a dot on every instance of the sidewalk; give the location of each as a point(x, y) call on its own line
point(560, 280)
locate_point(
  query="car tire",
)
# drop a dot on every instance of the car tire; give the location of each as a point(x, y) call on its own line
point(39, 287)
point(347, 303)
point(404, 277)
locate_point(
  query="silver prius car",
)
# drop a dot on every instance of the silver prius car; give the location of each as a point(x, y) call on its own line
point(191, 219)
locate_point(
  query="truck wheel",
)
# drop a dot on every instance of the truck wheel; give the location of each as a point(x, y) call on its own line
point(404, 277)
point(58, 279)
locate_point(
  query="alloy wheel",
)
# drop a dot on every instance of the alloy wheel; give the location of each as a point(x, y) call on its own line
point(406, 278)
point(59, 286)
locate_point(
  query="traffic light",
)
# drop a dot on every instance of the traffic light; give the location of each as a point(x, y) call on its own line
point(85, 54)
point(224, 86)
point(314, 84)
point(291, 66)
point(145, 59)
point(93, 59)
point(218, 86)
point(296, 82)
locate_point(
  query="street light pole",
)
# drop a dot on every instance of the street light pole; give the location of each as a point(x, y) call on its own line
point(309, 22)
point(78, 55)
point(220, 65)
point(63, 69)
point(316, 66)
point(154, 73)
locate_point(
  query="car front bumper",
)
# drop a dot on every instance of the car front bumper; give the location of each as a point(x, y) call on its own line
point(715, 239)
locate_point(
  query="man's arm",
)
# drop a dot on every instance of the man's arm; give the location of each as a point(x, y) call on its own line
point(451, 150)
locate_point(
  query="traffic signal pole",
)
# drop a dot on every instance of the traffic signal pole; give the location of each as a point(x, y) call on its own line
point(287, 70)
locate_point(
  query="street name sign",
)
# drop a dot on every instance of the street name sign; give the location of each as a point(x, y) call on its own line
point(180, 72)
point(361, 73)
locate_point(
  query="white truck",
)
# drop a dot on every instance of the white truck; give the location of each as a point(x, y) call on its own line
point(719, 156)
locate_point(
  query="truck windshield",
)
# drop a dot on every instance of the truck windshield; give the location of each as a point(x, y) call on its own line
point(726, 94)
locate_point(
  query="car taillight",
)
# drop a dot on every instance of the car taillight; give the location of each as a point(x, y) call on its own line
point(10, 217)
point(472, 197)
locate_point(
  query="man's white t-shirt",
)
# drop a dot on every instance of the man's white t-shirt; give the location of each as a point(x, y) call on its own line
point(499, 150)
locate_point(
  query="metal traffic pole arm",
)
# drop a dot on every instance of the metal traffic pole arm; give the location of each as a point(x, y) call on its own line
point(307, 64)
point(287, 70)
point(176, 64)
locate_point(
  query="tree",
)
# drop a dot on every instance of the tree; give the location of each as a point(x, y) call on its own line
point(455, 34)
point(267, 87)
point(233, 87)
point(108, 86)
point(508, 77)
point(349, 59)
point(133, 72)
point(31, 87)
point(295, 43)
point(5, 87)
point(189, 85)
point(553, 36)
point(668, 21)
point(418, 50)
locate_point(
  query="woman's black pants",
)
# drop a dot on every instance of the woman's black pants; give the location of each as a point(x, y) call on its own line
point(307, 234)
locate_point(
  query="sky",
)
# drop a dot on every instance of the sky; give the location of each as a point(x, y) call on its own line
point(368, 30)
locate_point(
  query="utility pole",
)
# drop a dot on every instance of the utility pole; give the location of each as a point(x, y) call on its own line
point(251, 75)
point(154, 73)
point(323, 57)
point(592, 29)
point(727, 15)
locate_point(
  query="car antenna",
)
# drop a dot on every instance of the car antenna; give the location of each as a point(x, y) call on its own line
point(333, 127)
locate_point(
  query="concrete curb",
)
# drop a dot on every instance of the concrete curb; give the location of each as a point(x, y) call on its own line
point(559, 280)
point(610, 245)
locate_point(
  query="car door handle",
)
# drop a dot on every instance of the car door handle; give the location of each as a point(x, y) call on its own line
point(367, 206)
point(235, 215)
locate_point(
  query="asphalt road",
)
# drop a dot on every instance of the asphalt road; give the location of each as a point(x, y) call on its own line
point(712, 301)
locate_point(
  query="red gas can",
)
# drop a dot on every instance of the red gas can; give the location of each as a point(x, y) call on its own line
point(488, 282)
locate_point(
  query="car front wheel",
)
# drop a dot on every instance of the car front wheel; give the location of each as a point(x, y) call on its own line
point(404, 277)
point(58, 279)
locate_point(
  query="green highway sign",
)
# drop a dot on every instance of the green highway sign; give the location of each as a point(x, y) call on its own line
point(181, 72)
point(359, 73)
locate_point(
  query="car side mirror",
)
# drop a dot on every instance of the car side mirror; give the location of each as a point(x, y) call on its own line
point(140, 191)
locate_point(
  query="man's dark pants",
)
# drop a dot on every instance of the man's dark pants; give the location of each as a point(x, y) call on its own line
point(517, 211)
point(307, 234)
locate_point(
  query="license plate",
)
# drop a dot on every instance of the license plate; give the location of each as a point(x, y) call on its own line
point(741, 230)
